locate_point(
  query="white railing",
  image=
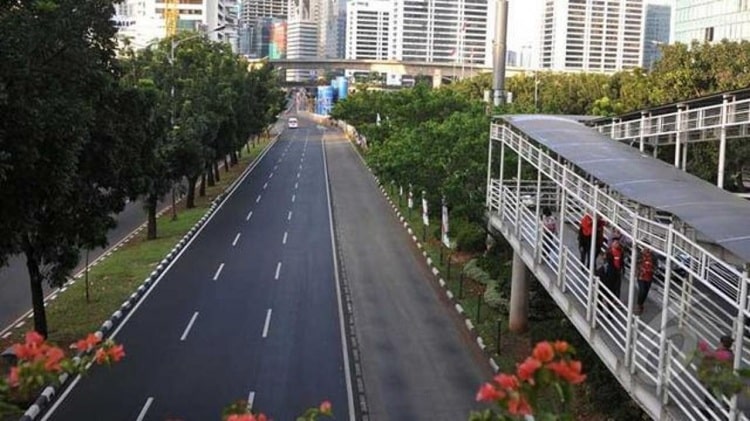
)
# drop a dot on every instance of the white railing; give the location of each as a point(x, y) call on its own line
point(698, 299)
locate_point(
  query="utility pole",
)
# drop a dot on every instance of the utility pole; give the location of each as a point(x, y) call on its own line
point(501, 23)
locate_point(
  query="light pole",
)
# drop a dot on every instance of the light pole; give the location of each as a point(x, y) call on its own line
point(174, 43)
point(536, 92)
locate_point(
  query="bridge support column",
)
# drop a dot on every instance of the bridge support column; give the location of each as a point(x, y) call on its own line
point(437, 78)
point(519, 296)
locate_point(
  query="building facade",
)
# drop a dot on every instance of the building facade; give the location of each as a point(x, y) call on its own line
point(257, 21)
point(368, 29)
point(301, 43)
point(592, 35)
point(656, 32)
point(711, 20)
point(446, 31)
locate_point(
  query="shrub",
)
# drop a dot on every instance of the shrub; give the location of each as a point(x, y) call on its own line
point(495, 298)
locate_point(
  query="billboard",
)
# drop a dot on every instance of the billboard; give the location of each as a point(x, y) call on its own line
point(277, 41)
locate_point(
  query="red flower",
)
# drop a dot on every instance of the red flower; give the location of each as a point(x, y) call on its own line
point(543, 352)
point(13, 377)
point(561, 347)
point(569, 371)
point(723, 355)
point(517, 405)
point(116, 353)
point(527, 369)
point(25, 352)
point(54, 356)
point(506, 381)
point(101, 356)
point(33, 338)
point(242, 417)
point(87, 344)
point(325, 408)
point(703, 347)
point(488, 393)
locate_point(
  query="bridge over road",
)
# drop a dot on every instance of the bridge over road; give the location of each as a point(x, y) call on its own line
point(700, 291)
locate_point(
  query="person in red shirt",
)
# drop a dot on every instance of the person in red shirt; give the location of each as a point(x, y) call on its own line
point(645, 276)
point(585, 230)
point(614, 258)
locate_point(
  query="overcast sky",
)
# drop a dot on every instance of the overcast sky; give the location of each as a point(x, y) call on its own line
point(523, 22)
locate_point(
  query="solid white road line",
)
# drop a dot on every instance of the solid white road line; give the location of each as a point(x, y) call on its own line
point(258, 199)
point(189, 326)
point(268, 323)
point(237, 238)
point(250, 401)
point(294, 196)
point(289, 217)
point(142, 414)
point(122, 324)
point(249, 215)
point(278, 270)
point(284, 240)
point(218, 271)
point(265, 186)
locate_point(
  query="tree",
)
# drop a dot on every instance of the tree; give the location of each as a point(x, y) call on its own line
point(61, 161)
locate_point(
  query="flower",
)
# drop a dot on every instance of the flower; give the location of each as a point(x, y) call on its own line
point(517, 405)
point(325, 408)
point(34, 338)
point(101, 356)
point(13, 377)
point(87, 344)
point(543, 352)
point(561, 347)
point(527, 369)
point(569, 371)
point(116, 353)
point(54, 356)
point(703, 347)
point(506, 381)
point(723, 355)
point(488, 393)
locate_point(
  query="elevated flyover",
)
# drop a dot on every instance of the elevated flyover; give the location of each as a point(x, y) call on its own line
point(700, 288)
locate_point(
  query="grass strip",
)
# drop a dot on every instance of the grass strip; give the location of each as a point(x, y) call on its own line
point(114, 279)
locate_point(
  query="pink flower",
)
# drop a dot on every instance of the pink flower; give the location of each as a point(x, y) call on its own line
point(34, 338)
point(723, 355)
point(116, 353)
point(703, 347)
point(517, 405)
point(54, 356)
point(527, 369)
point(325, 408)
point(543, 352)
point(488, 393)
point(506, 381)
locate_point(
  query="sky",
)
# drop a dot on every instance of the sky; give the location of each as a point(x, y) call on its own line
point(523, 22)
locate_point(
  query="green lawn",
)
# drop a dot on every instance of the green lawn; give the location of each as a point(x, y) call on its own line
point(115, 278)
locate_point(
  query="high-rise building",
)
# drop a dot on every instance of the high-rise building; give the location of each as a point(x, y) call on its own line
point(368, 29)
point(457, 31)
point(301, 43)
point(592, 35)
point(711, 20)
point(656, 32)
point(256, 22)
point(328, 28)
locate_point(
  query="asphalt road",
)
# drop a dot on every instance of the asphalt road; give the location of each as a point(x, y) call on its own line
point(249, 310)
point(418, 362)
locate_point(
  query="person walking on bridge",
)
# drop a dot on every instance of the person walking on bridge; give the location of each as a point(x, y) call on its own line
point(585, 229)
point(645, 276)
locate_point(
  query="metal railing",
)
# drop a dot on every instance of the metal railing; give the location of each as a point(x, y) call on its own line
point(696, 295)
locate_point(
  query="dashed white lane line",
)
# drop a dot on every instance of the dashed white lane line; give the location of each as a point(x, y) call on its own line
point(250, 401)
point(278, 271)
point(297, 175)
point(296, 186)
point(267, 324)
point(265, 186)
point(270, 175)
point(300, 166)
point(236, 238)
point(294, 197)
point(258, 199)
point(275, 167)
point(218, 271)
point(249, 215)
point(284, 240)
point(289, 217)
point(143, 412)
point(188, 327)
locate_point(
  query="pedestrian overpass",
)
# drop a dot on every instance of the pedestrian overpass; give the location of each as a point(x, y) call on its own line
point(699, 234)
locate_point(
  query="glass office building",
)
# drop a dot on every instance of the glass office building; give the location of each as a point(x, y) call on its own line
point(711, 20)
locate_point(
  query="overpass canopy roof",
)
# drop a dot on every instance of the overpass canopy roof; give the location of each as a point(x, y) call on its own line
point(719, 215)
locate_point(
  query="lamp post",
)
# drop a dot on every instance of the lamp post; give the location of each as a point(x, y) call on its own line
point(536, 91)
point(174, 43)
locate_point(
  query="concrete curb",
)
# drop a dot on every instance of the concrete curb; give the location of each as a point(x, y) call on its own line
point(49, 392)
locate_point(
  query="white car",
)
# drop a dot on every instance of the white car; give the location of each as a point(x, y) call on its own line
point(292, 123)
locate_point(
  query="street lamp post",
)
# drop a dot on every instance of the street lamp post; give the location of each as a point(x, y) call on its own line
point(536, 92)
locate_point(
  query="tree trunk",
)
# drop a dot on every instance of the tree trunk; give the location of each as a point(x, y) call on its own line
point(151, 210)
point(37, 293)
point(191, 192)
point(226, 163)
point(210, 173)
point(216, 171)
point(237, 155)
point(202, 191)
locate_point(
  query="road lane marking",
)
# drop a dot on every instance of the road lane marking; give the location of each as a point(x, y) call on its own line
point(270, 175)
point(300, 166)
point(189, 326)
point(142, 414)
point(258, 199)
point(296, 185)
point(234, 243)
point(278, 270)
point(218, 271)
point(265, 186)
point(249, 215)
point(8, 333)
point(284, 240)
point(275, 167)
point(268, 323)
point(294, 196)
point(297, 175)
point(289, 217)
point(250, 401)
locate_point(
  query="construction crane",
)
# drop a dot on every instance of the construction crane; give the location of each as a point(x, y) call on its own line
point(171, 15)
